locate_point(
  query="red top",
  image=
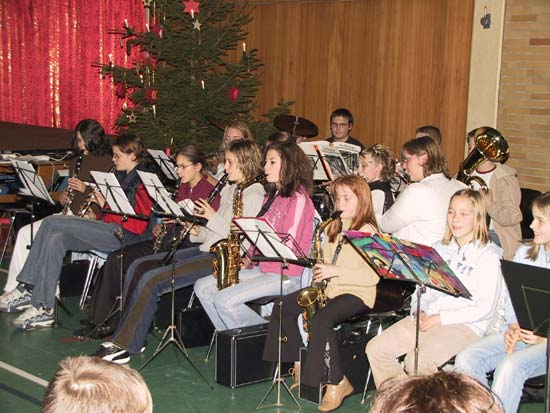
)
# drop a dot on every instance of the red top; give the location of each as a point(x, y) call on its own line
point(142, 206)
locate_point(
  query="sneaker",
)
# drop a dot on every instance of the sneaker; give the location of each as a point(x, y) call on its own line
point(16, 300)
point(112, 353)
point(34, 317)
point(110, 344)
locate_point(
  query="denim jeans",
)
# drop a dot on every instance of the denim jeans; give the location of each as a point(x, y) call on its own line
point(227, 309)
point(59, 234)
point(511, 370)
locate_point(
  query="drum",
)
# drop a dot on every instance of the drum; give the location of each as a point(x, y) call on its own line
point(322, 202)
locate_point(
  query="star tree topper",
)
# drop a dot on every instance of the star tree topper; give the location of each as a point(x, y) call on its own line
point(191, 7)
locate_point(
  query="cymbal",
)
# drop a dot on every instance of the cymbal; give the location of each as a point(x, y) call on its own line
point(295, 125)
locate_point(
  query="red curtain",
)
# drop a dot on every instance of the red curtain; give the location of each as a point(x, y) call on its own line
point(47, 48)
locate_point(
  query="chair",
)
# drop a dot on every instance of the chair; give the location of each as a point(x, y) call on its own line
point(96, 259)
point(527, 197)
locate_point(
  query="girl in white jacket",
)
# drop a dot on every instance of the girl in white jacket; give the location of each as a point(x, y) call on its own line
point(447, 323)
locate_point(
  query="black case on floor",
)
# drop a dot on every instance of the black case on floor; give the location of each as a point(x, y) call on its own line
point(194, 326)
point(239, 357)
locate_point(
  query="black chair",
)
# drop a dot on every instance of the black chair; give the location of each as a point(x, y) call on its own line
point(527, 197)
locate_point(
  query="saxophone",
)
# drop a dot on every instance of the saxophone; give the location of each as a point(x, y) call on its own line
point(227, 252)
point(313, 298)
point(70, 191)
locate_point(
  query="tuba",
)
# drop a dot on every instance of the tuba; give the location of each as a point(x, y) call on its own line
point(489, 145)
point(313, 298)
point(227, 252)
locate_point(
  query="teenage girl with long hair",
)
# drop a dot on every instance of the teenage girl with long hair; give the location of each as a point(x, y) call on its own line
point(351, 290)
point(514, 354)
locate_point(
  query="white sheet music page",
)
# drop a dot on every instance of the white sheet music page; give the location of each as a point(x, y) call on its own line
point(263, 236)
point(33, 185)
point(159, 193)
point(112, 192)
point(166, 164)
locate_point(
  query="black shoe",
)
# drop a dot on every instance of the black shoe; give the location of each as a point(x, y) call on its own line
point(102, 332)
point(113, 353)
point(84, 331)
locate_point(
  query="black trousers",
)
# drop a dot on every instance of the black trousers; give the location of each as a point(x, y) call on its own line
point(107, 287)
point(336, 311)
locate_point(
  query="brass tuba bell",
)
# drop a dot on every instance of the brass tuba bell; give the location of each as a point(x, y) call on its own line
point(489, 145)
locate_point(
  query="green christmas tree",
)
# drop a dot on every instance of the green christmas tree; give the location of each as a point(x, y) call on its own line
point(187, 78)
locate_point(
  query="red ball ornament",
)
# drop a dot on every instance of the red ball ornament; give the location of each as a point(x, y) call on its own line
point(151, 95)
point(233, 93)
point(120, 90)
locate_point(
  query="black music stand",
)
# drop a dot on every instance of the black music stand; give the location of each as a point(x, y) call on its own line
point(166, 164)
point(119, 204)
point(407, 261)
point(529, 288)
point(171, 334)
point(274, 248)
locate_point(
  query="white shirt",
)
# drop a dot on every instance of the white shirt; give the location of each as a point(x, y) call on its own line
point(419, 213)
point(478, 268)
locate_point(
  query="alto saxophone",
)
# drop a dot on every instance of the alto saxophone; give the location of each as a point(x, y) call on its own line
point(70, 191)
point(227, 252)
point(313, 298)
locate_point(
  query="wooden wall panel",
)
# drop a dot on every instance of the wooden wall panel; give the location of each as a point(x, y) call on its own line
point(396, 64)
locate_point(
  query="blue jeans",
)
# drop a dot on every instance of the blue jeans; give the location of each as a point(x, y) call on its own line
point(511, 370)
point(227, 309)
point(59, 234)
point(141, 303)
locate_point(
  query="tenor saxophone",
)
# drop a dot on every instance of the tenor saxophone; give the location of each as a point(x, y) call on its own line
point(313, 298)
point(227, 252)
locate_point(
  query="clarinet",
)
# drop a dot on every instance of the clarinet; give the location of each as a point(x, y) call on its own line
point(83, 210)
point(215, 191)
point(70, 191)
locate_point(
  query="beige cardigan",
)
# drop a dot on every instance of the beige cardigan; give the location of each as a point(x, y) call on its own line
point(357, 277)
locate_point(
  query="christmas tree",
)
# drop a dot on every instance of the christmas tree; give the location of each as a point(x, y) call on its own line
point(190, 70)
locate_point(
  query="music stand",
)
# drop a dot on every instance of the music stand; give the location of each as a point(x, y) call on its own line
point(33, 189)
point(274, 248)
point(393, 258)
point(529, 288)
point(119, 204)
point(166, 164)
point(172, 210)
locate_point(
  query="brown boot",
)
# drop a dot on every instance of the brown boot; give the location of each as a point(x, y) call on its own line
point(295, 372)
point(335, 395)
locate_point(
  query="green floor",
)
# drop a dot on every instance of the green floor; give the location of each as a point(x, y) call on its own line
point(175, 386)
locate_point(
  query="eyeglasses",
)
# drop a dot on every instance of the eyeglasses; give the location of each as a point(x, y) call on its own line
point(117, 156)
point(339, 125)
point(182, 166)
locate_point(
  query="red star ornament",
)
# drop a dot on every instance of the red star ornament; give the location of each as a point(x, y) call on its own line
point(191, 7)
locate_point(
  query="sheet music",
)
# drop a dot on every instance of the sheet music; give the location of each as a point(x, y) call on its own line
point(267, 240)
point(167, 165)
point(332, 157)
point(159, 193)
point(112, 192)
point(33, 185)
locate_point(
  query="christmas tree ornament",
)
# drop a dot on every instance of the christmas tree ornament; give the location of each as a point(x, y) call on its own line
point(233, 93)
point(191, 7)
point(151, 95)
point(147, 3)
point(197, 25)
point(131, 117)
point(120, 90)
